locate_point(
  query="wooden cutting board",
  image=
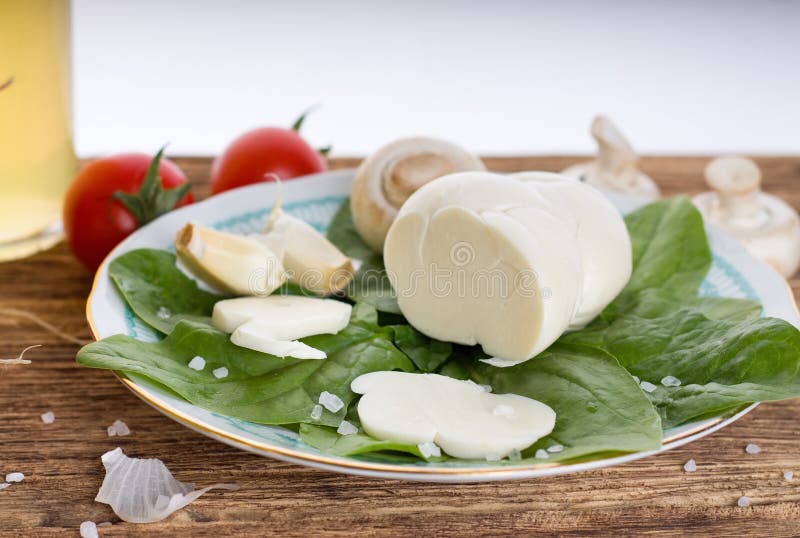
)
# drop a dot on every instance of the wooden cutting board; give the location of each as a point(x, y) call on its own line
point(63, 472)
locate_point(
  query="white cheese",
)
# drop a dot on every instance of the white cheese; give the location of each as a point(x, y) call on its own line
point(457, 416)
point(273, 324)
point(480, 258)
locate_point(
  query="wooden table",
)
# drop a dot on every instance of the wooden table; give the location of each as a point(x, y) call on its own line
point(63, 472)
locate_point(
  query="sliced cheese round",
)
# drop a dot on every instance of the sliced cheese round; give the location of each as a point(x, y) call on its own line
point(459, 416)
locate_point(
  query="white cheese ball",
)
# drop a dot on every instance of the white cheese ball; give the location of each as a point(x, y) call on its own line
point(481, 258)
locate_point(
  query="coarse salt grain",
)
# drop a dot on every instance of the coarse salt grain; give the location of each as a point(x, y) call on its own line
point(4, 485)
point(636, 378)
point(89, 530)
point(331, 402)
point(515, 455)
point(197, 363)
point(429, 449)
point(670, 381)
point(690, 466)
point(752, 449)
point(502, 410)
point(541, 454)
point(555, 449)
point(491, 456)
point(346, 428)
point(316, 412)
point(220, 372)
point(48, 418)
point(788, 475)
point(164, 313)
point(486, 388)
point(15, 477)
point(743, 502)
point(118, 428)
point(647, 386)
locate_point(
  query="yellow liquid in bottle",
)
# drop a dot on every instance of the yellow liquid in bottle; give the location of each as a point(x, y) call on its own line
point(37, 161)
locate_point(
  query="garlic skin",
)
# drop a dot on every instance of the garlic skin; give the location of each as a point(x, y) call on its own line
point(458, 416)
point(310, 260)
point(480, 258)
point(386, 179)
point(767, 226)
point(231, 263)
point(615, 168)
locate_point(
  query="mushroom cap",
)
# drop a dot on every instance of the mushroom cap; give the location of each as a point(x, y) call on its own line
point(386, 179)
point(733, 175)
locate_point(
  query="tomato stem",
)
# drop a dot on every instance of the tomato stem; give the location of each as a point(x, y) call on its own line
point(151, 200)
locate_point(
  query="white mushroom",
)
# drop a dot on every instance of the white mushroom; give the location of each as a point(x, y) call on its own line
point(458, 416)
point(387, 178)
point(273, 324)
point(231, 263)
point(310, 260)
point(615, 167)
point(765, 224)
point(480, 258)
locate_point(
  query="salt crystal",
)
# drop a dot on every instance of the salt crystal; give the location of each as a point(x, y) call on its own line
point(743, 501)
point(670, 381)
point(541, 454)
point(164, 313)
point(486, 388)
point(331, 402)
point(48, 418)
point(118, 428)
point(197, 363)
point(89, 530)
point(491, 456)
point(752, 449)
point(515, 455)
point(555, 449)
point(15, 477)
point(346, 428)
point(647, 386)
point(690, 466)
point(788, 475)
point(4, 485)
point(316, 412)
point(429, 449)
point(220, 372)
point(636, 378)
point(502, 410)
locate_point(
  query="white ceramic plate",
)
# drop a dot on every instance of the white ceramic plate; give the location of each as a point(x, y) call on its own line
point(735, 273)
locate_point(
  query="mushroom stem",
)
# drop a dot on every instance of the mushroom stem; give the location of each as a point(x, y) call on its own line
point(616, 161)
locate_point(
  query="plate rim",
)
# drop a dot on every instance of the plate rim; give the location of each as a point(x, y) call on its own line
point(385, 470)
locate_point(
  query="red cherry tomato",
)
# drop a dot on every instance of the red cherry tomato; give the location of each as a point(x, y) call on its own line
point(269, 150)
point(95, 220)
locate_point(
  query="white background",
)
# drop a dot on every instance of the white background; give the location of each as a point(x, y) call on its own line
point(499, 76)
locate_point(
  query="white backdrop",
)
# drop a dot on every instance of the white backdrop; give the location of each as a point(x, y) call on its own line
point(500, 76)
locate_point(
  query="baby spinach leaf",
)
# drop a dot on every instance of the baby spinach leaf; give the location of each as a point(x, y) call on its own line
point(670, 249)
point(599, 407)
point(428, 354)
point(259, 387)
point(342, 233)
point(157, 291)
point(326, 439)
point(721, 364)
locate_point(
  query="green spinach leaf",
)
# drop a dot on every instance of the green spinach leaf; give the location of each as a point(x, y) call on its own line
point(259, 387)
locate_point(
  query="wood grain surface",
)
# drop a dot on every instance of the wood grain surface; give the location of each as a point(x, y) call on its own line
point(61, 461)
